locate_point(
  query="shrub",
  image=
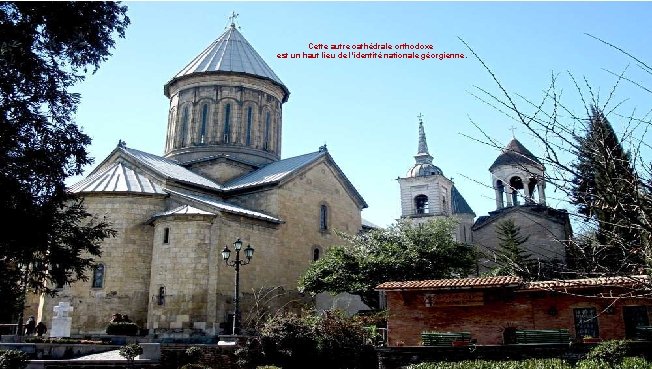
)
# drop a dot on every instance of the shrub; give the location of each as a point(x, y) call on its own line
point(330, 341)
point(130, 351)
point(288, 341)
point(194, 354)
point(13, 359)
point(122, 329)
point(612, 352)
point(194, 366)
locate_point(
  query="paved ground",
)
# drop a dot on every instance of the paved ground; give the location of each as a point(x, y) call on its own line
point(109, 355)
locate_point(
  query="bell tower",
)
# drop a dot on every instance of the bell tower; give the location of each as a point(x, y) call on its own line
point(517, 177)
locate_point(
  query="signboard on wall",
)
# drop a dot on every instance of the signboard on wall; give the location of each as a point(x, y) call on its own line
point(454, 299)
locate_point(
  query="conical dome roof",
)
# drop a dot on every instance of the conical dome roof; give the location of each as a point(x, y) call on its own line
point(230, 53)
point(516, 154)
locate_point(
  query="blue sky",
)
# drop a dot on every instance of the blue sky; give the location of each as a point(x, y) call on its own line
point(366, 110)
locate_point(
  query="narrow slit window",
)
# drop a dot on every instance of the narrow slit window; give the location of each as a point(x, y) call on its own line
point(98, 276)
point(227, 123)
point(315, 254)
point(166, 235)
point(184, 125)
point(323, 217)
point(267, 128)
point(204, 122)
point(161, 295)
point(249, 123)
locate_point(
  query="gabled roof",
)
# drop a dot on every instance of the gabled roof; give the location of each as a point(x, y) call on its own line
point(221, 205)
point(459, 204)
point(273, 172)
point(516, 154)
point(538, 210)
point(164, 168)
point(119, 177)
point(269, 175)
point(279, 171)
point(453, 283)
point(230, 53)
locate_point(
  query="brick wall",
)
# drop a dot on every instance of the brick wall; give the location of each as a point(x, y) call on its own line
point(496, 309)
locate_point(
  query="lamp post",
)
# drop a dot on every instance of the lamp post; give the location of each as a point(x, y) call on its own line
point(226, 254)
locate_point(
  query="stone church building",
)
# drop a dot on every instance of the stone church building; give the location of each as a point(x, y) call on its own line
point(518, 179)
point(221, 178)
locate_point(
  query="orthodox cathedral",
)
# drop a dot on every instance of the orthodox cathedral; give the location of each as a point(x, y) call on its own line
point(220, 179)
point(221, 183)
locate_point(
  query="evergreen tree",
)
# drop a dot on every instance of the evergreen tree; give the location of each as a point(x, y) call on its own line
point(606, 190)
point(45, 48)
point(512, 258)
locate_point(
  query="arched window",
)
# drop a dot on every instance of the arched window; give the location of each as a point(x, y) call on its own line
point(421, 204)
point(98, 276)
point(249, 123)
point(323, 217)
point(227, 123)
point(516, 183)
point(267, 128)
point(184, 125)
point(315, 254)
point(204, 122)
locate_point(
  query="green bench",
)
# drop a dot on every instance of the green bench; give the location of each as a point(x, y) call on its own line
point(542, 336)
point(644, 333)
point(442, 339)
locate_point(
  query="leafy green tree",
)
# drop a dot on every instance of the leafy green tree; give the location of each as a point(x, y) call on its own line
point(402, 252)
point(606, 189)
point(511, 257)
point(45, 48)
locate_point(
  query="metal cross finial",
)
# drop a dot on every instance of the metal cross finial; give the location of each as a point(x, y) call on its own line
point(512, 128)
point(420, 116)
point(232, 18)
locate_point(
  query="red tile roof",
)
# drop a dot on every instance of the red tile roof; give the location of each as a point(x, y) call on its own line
point(458, 283)
point(624, 281)
point(508, 281)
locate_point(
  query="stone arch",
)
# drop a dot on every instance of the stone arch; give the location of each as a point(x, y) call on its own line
point(421, 205)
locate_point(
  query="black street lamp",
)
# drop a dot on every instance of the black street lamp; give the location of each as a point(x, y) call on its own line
point(226, 253)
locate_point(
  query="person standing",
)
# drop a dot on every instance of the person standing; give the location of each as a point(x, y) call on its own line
point(30, 326)
point(41, 328)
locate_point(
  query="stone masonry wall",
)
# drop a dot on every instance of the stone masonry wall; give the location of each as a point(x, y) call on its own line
point(126, 258)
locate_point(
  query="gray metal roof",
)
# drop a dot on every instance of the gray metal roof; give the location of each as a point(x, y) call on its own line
point(516, 154)
point(459, 204)
point(184, 210)
point(231, 53)
point(170, 169)
point(219, 204)
point(118, 177)
point(273, 172)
